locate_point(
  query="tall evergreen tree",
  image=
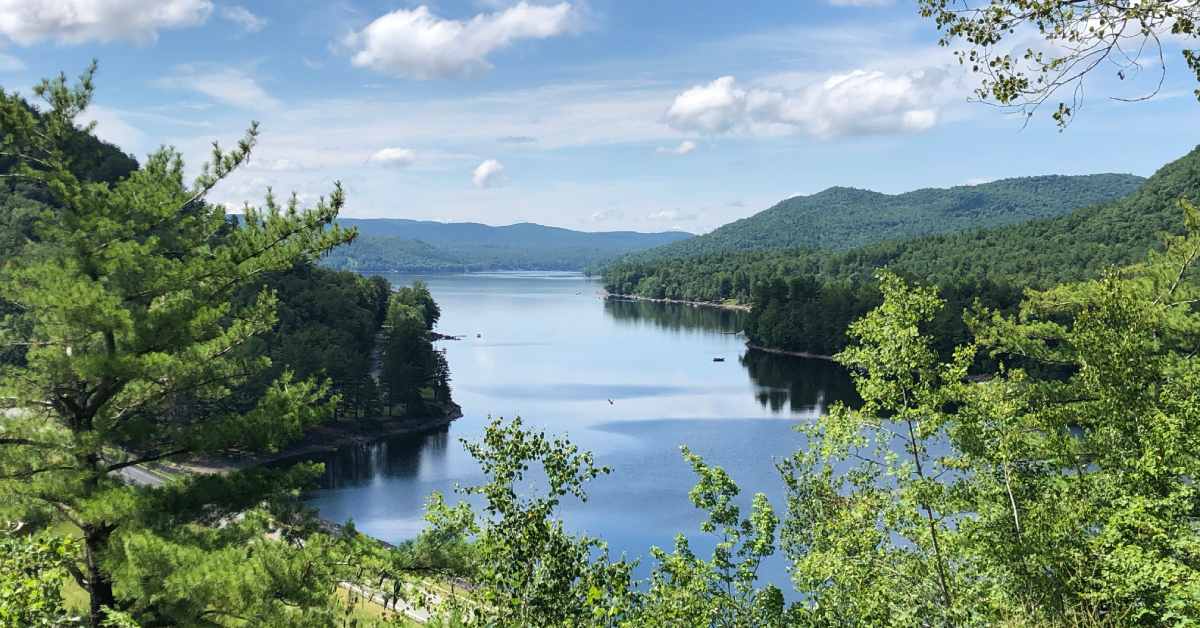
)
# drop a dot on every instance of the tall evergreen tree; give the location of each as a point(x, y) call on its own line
point(123, 304)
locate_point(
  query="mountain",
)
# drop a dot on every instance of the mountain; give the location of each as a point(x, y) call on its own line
point(803, 299)
point(845, 218)
point(386, 244)
point(1041, 253)
point(1036, 253)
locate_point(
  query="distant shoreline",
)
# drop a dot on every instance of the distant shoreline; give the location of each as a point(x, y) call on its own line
point(329, 437)
point(724, 306)
point(794, 354)
point(738, 307)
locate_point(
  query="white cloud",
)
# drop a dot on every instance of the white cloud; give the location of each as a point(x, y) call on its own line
point(488, 174)
point(395, 157)
point(856, 103)
point(27, 22)
point(226, 85)
point(685, 147)
point(417, 44)
point(712, 108)
point(978, 181)
point(243, 17)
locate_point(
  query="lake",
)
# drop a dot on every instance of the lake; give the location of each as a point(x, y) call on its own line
point(629, 381)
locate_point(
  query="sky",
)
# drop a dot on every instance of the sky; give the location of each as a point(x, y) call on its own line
point(595, 115)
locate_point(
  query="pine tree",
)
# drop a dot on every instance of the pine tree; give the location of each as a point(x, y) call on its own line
point(122, 300)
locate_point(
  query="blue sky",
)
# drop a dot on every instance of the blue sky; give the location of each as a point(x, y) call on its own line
point(594, 115)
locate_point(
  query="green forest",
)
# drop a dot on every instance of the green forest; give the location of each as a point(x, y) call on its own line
point(847, 218)
point(803, 300)
point(1021, 449)
point(170, 330)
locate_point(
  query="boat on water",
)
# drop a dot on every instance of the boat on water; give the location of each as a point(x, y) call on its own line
point(718, 359)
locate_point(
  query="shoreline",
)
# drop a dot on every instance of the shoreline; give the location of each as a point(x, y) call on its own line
point(794, 354)
point(737, 307)
point(327, 438)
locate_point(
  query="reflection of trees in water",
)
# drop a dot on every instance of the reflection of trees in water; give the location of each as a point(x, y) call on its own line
point(674, 316)
point(783, 383)
point(797, 384)
point(400, 457)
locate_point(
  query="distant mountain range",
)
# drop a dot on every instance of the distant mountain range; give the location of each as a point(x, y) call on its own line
point(842, 218)
point(387, 244)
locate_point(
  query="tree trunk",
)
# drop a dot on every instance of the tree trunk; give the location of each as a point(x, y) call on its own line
point(100, 586)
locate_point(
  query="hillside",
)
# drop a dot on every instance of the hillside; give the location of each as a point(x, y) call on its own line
point(414, 245)
point(846, 218)
point(804, 299)
point(1035, 253)
point(1044, 252)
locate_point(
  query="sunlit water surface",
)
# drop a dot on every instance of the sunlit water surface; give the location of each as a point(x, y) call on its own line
point(629, 381)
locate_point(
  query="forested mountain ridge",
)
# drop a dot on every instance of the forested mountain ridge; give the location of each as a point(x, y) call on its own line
point(841, 218)
point(417, 245)
point(804, 299)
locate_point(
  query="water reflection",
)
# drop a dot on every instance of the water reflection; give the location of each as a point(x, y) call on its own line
point(782, 384)
point(403, 457)
point(629, 381)
point(797, 385)
point(674, 317)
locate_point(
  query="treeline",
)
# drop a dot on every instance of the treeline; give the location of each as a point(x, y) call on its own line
point(803, 299)
point(327, 327)
point(327, 321)
point(413, 374)
point(143, 325)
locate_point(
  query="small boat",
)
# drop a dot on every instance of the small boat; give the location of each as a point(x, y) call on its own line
point(479, 335)
point(718, 359)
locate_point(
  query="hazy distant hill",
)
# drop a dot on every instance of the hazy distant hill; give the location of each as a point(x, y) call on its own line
point(387, 244)
point(846, 218)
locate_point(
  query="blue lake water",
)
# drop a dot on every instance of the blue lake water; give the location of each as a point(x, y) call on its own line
point(629, 381)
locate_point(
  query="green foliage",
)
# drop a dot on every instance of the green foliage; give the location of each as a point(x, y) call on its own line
point(393, 245)
point(1077, 36)
point(685, 590)
point(410, 363)
point(32, 569)
point(417, 296)
point(125, 301)
point(530, 571)
point(887, 514)
point(804, 299)
point(327, 326)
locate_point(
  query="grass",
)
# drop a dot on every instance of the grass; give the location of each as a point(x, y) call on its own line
point(74, 596)
point(368, 613)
